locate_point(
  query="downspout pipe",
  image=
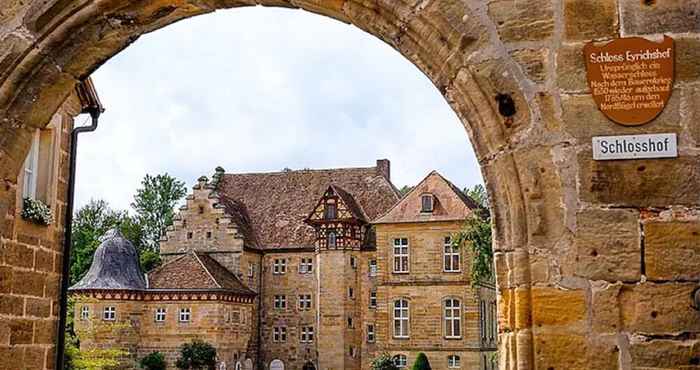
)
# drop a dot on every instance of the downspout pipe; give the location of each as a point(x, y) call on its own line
point(94, 112)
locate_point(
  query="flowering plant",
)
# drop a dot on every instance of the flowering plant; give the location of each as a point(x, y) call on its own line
point(37, 212)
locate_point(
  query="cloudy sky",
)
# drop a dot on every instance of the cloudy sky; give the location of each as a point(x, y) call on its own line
point(262, 89)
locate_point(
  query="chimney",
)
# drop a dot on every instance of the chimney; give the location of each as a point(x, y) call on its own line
point(384, 168)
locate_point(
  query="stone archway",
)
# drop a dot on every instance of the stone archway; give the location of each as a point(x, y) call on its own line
point(568, 230)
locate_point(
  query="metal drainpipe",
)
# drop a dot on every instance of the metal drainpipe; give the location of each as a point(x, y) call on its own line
point(67, 239)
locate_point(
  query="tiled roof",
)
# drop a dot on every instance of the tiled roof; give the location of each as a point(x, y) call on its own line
point(195, 271)
point(277, 203)
point(450, 203)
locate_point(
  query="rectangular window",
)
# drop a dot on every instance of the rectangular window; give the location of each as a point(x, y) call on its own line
point(401, 255)
point(453, 362)
point(279, 334)
point(353, 262)
point(280, 302)
point(185, 314)
point(350, 323)
point(305, 301)
point(189, 235)
point(251, 270)
point(160, 314)
point(332, 239)
point(280, 266)
point(401, 318)
point(306, 266)
point(426, 203)
point(84, 313)
point(451, 256)
point(31, 169)
point(351, 293)
point(330, 212)
point(373, 299)
point(109, 313)
point(453, 318)
point(352, 351)
point(370, 333)
point(372, 267)
point(208, 234)
point(482, 319)
point(307, 334)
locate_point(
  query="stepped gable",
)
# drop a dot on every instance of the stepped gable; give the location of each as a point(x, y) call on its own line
point(277, 203)
point(195, 271)
point(449, 203)
point(115, 265)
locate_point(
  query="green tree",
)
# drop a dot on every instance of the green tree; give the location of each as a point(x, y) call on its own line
point(90, 223)
point(478, 193)
point(149, 260)
point(384, 362)
point(476, 233)
point(197, 355)
point(421, 362)
point(154, 205)
point(405, 189)
point(153, 361)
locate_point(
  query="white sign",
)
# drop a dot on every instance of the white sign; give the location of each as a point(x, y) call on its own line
point(635, 146)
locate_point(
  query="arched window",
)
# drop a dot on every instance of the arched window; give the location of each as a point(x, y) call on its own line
point(332, 239)
point(276, 365)
point(452, 316)
point(239, 366)
point(400, 361)
point(453, 362)
point(401, 318)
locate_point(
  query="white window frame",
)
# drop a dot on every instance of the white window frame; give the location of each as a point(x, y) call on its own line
point(307, 334)
point(353, 262)
point(373, 298)
point(85, 313)
point(304, 301)
point(454, 362)
point(279, 334)
point(306, 266)
point(400, 360)
point(452, 254)
point(251, 270)
point(452, 318)
point(373, 267)
point(280, 302)
point(159, 315)
point(371, 335)
point(31, 168)
point(185, 315)
point(401, 315)
point(109, 313)
point(401, 254)
point(279, 266)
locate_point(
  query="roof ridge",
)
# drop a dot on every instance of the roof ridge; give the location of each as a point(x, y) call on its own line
point(196, 255)
point(301, 170)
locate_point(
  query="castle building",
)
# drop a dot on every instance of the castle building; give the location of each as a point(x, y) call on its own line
point(309, 269)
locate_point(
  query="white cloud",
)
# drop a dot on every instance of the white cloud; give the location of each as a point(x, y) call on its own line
point(261, 89)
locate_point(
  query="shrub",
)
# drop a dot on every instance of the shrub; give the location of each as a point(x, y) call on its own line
point(197, 355)
point(421, 362)
point(37, 212)
point(384, 362)
point(153, 361)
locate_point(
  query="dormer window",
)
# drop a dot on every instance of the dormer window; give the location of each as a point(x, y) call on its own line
point(331, 211)
point(427, 203)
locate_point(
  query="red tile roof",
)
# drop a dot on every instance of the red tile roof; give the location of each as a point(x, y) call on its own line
point(277, 203)
point(450, 203)
point(195, 271)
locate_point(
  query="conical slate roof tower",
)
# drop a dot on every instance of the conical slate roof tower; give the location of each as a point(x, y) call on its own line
point(115, 265)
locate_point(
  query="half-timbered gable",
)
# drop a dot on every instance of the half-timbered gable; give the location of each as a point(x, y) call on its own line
point(338, 221)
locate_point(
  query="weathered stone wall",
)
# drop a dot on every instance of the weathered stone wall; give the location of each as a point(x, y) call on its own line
point(426, 286)
point(576, 240)
point(31, 260)
point(228, 326)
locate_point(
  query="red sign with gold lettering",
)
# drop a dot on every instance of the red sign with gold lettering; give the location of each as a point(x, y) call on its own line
point(630, 78)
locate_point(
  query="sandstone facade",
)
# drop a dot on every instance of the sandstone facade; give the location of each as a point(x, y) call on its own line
point(538, 168)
